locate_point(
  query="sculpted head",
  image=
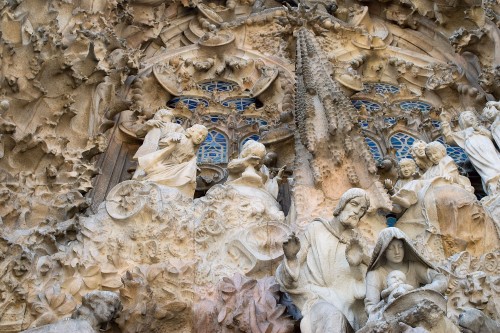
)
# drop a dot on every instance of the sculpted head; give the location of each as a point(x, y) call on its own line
point(165, 115)
point(417, 150)
point(467, 119)
point(407, 168)
point(197, 133)
point(98, 307)
point(396, 277)
point(253, 148)
point(352, 207)
point(435, 151)
point(395, 252)
point(491, 110)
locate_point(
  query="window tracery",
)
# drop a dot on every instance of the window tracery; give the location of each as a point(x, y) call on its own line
point(402, 142)
point(190, 101)
point(214, 148)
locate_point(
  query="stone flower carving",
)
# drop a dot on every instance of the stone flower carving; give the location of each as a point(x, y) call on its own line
point(244, 305)
point(52, 305)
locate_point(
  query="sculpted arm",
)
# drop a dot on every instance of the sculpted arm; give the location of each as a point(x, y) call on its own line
point(295, 255)
point(433, 279)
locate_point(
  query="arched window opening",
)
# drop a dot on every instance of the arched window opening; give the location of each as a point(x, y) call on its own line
point(213, 149)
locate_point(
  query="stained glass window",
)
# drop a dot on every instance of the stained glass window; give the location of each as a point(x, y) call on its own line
point(213, 149)
point(409, 105)
point(370, 106)
point(374, 148)
point(214, 118)
point(251, 120)
point(254, 137)
point(402, 143)
point(381, 88)
point(218, 86)
point(390, 121)
point(363, 124)
point(436, 124)
point(457, 153)
point(241, 102)
point(190, 102)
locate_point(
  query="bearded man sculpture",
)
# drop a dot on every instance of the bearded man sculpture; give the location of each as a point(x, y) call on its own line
point(323, 271)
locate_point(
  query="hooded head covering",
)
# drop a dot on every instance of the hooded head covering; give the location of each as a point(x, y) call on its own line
point(384, 239)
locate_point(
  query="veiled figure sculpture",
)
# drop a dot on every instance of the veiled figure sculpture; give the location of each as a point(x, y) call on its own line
point(396, 268)
point(324, 270)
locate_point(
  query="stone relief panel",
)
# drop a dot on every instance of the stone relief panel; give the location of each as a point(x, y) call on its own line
point(295, 109)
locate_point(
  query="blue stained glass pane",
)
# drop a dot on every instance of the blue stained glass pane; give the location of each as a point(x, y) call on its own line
point(363, 124)
point(402, 143)
point(390, 120)
point(457, 153)
point(370, 106)
point(254, 137)
point(381, 88)
point(374, 149)
point(214, 118)
point(218, 86)
point(213, 149)
point(180, 120)
point(190, 102)
point(241, 103)
point(436, 124)
point(261, 122)
point(409, 105)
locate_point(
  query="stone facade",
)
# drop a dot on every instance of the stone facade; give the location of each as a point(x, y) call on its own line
point(234, 166)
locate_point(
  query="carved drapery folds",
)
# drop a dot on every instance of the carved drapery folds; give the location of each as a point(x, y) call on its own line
point(301, 103)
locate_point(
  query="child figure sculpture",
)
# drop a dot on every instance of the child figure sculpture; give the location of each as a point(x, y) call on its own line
point(396, 286)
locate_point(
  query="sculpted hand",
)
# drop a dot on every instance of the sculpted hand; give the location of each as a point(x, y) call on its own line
point(280, 172)
point(176, 137)
point(291, 247)
point(354, 252)
point(154, 123)
point(388, 184)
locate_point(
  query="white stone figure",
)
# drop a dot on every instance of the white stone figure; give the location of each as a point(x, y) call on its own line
point(476, 141)
point(443, 171)
point(248, 169)
point(98, 309)
point(174, 164)
point(407, 172)
point(324, 272)
point(417, 151)
point(394, 252)
point(157, 131)
point(491, 113)
point(396, 286)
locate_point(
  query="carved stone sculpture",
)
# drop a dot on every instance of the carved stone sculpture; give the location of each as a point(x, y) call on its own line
point(324, 272)
point(418, 153)
point(428, 218)
point(158, 130)
point(476, 141)
point(174, 164)
point(407, 172)
point(395, 257)
point(97, 310)
point(491, 113)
